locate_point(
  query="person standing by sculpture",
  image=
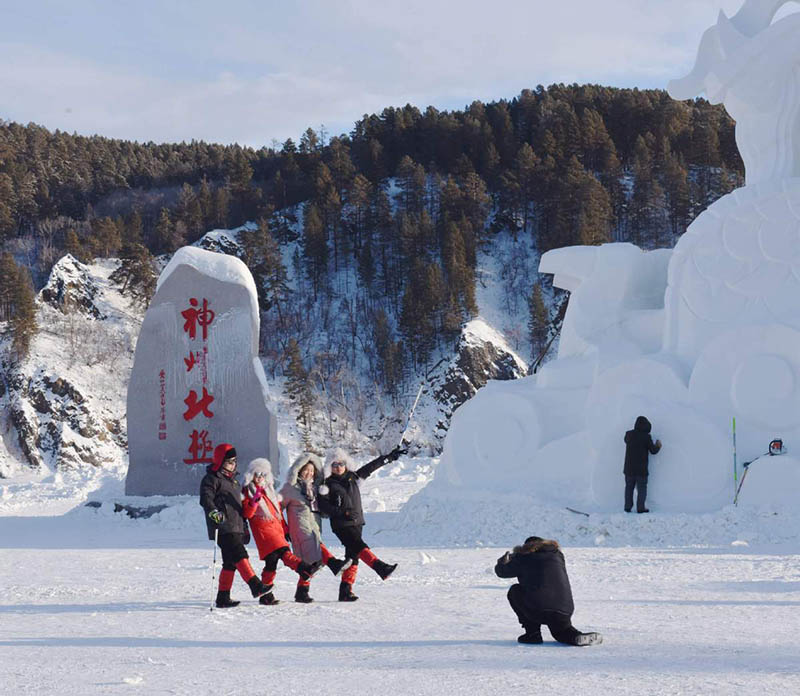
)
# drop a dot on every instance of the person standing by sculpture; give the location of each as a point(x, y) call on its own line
point(221, 499)
point(343, 502)
point(543, 594)
point(262, 507)
point(638, 446)
point(301, 498)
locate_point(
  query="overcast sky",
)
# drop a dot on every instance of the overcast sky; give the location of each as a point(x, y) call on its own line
point(263, 70)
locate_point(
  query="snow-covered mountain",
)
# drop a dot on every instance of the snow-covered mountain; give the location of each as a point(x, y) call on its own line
point(64, 405)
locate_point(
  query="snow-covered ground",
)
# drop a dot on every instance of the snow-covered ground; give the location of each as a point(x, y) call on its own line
point(95, 602)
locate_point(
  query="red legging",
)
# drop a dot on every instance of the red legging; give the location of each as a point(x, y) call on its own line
point(271, 563)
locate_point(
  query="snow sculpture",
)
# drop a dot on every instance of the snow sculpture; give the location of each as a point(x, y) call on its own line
point(197, 380)
point(689, 337)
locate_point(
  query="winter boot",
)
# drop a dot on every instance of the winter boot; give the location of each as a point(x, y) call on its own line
point(346, 592)
point(336, 566)
point(384, 570)
point(301, 595)
point(306, 570)
point(269, 598)
point(532, 636)
point(587, 639)
point(257, 588)
point(224, 600)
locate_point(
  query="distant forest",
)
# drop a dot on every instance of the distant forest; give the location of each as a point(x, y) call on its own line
point(389, 217)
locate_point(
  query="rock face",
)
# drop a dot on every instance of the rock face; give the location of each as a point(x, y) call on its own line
point(58, 411)
point(481, 355)
point(71, 288)
point(55, 426)
point(197, 380)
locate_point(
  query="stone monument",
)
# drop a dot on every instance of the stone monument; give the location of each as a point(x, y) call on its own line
point(197, 380)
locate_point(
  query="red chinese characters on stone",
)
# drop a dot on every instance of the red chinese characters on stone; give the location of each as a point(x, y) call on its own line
point(198, 314)
point(196, 405)
point(162, 425)
point(200, 448)
point(195, 316)
point(190, 361)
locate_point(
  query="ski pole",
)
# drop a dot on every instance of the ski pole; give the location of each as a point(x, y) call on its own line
point(735, 468)
point(411, 413)
point(741, 483)
point(214, 569)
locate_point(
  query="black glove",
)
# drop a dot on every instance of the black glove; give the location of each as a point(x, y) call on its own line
point(216, 517)
point(395, 453)
point(505, 558)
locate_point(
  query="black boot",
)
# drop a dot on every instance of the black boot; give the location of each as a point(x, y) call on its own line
point(532, 636)
point(346, 592)
point(224, 600)
point(336, 566)
point(383, 569)
point(269, 598)
point(588, 639)
point(307, 570)
point(301, 595)
point(257, 587)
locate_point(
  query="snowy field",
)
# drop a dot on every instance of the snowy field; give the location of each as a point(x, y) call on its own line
point(96, 603)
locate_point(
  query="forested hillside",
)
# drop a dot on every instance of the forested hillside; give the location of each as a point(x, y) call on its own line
point(364, 245)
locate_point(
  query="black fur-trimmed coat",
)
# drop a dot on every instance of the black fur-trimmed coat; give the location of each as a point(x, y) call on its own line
point(541, 570)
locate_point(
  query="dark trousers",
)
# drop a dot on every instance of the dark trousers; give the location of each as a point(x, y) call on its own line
point(560, 625)
point(233, 549)
point(640, 483)
point(351, 540)
point(271, 559)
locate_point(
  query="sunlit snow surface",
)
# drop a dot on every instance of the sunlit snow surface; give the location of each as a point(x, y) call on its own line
point(97, 603)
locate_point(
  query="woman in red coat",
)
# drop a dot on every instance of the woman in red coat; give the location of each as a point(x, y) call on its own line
point(261, 506)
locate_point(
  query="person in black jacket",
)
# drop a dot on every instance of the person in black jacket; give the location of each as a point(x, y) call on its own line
point(221, 498)
point(342, 503)
point(638, 444)
point(543, 594)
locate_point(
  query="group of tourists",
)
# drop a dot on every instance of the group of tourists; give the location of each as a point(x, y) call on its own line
point(542, 594)
point(234, 511)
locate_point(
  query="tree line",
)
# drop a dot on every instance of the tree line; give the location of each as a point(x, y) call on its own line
point(378, 229)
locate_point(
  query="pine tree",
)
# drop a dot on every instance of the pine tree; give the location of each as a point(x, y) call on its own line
point(298, 387)
point(7, 207)
point(389, 353)
point(135, 274)
point(594, 214)
point(8, 277)
point(167, 237)
point(263, 257)
point(104, 239)
point(315, 247)
point(23, 319)
point(73, 246)
point(538, 321)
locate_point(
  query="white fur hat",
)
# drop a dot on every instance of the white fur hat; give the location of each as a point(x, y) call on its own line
point(259, 466)
point(338, 455)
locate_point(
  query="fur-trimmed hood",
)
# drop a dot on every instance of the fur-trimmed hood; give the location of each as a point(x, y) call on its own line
point(534, 544)
point(338, 455)
point(300, 462)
